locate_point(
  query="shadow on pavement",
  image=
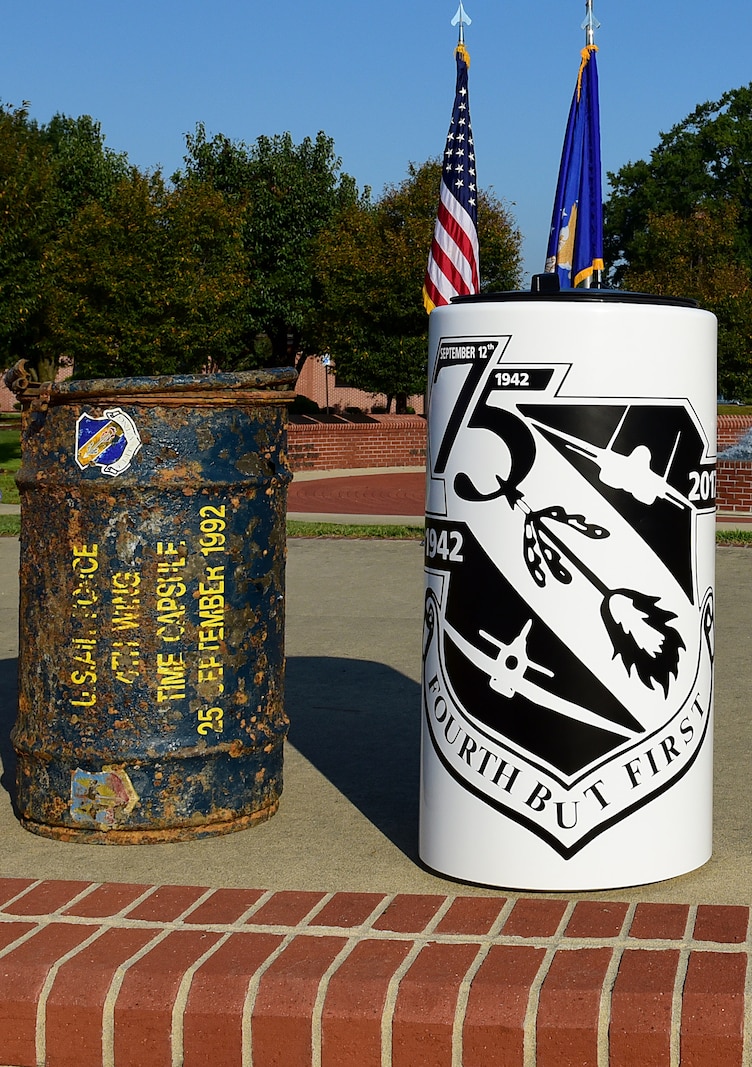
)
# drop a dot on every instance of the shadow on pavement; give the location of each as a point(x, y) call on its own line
point(8, 709)
point(358, 723)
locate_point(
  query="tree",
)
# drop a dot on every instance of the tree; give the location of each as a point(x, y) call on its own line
point(26, 222)
point(701, 162)
point(84, 169)
point(289, 193)
point(370, 266)
point(46, 174)
point(680, 224)
point(149, 282)
point(696, 257)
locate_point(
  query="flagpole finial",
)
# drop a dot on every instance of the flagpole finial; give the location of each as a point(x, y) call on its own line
point(462, 19)
point(591, 23)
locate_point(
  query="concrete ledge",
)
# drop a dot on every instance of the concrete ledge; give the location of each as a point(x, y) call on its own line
point(154, 976)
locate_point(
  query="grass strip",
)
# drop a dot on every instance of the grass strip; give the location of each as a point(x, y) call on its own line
point(740, 538)
point(8, 488)
point(10, 526)
point(341, 530)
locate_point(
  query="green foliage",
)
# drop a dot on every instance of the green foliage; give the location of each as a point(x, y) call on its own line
point(288, 193)
point(84, 170)
point(255, 254)
point(702, 162)
point(680, 224)
point(148, 283)
point(47, 173)
point(370, 264)
point(695, 257)
point(26, 224)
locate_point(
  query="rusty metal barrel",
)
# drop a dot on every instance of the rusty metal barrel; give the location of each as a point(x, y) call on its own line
point(151, 665)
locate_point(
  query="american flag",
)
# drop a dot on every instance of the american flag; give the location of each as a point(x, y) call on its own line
point(453, 261)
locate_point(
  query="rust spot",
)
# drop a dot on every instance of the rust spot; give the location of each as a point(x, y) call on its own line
point(91, 552)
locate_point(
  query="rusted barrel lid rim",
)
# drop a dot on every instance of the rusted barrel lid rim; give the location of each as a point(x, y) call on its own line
point(271, 385)
point(267, 385)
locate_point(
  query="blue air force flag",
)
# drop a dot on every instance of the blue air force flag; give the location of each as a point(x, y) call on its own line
point(575, 245)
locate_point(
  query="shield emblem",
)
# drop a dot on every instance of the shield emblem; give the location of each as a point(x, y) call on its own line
point(107, 442)
point(568, 640)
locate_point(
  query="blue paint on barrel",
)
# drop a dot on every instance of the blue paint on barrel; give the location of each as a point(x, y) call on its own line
point(151, 662)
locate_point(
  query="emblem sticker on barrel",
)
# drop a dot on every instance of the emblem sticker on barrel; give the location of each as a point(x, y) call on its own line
point(568, 637)
point(109, 441)
point(99, 797)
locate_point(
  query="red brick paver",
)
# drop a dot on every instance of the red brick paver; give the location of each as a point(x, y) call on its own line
point(160, 975)
point(360, 494)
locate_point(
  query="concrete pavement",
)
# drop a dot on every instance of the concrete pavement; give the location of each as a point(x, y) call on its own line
point(349, 811)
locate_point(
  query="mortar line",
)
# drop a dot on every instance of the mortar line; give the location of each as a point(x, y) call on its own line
point(356, 936)
point(746, 1039)
point(256, 906)
point(390, 1000)
point(192, 907)
point(677, 1002)
point(23, 892)
point(91, 887)
point(530, 1046)
point(40, 1029)
point(609, 981)
point(181, 1000)
point(110, 1001)
point(123, 913)
point(21, 940)
point(490, 939)
point(318, 1004)
point(178, 1005)
point(565, 944)
point(249, 1001)
point(463, 995)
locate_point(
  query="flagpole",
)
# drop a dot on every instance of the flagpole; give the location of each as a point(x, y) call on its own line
point(461, 17)
point(590, 25)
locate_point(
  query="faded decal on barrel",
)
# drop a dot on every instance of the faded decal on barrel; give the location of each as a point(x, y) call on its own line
point(568, 640)
point(98, 798)
point(109, 441)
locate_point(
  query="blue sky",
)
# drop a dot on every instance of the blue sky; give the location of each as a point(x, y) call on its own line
point(379, 79)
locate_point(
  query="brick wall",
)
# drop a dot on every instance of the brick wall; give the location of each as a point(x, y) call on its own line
point(148, 976)
point(733, 490)
point(400, 441)
point(731, 428)
point(389, 441)
point(733, 477)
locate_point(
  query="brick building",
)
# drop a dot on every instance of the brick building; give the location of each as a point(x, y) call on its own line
point(319, 383)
